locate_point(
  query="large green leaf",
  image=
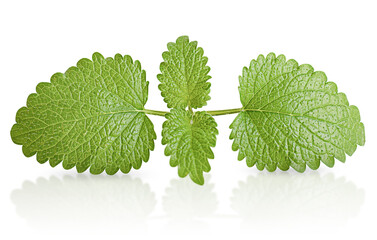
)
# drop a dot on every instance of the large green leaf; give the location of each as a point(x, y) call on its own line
point(189, 138)
point(292, 116)
point(90, 116)
point(184, 75)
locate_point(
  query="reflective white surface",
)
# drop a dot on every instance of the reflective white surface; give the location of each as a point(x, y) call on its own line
point(124, 204)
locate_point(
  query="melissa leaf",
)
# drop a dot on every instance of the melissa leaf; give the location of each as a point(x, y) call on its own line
point(93, 115)
point(292, 117)
point(90, 116)
point(184, 75)
point(189, 138)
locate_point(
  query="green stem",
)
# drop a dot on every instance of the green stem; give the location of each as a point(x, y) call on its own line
point(155, 112)
point(224, 112)
point(213, 113)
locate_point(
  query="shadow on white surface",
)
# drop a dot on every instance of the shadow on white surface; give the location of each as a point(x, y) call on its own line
point(296, 201)
point(280, 201)
point(95, 203)
point(187, 205)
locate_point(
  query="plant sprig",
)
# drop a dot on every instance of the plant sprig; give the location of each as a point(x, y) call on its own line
point(93, 116)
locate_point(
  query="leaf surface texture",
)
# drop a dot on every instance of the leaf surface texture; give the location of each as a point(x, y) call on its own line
point(292, 117)
point(189, 139)
point(184, 75)
point(89, 117)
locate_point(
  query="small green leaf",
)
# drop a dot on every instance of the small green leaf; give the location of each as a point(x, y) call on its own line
point(292, 116)
point(90, 116)
point(189, 139)
point(184, 75)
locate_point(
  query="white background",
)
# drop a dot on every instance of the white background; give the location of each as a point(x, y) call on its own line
point(39, 38)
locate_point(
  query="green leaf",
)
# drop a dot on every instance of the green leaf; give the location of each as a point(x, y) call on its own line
point(189, 138)
point(184, 75)
point(292, 116)
point(90, 116)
